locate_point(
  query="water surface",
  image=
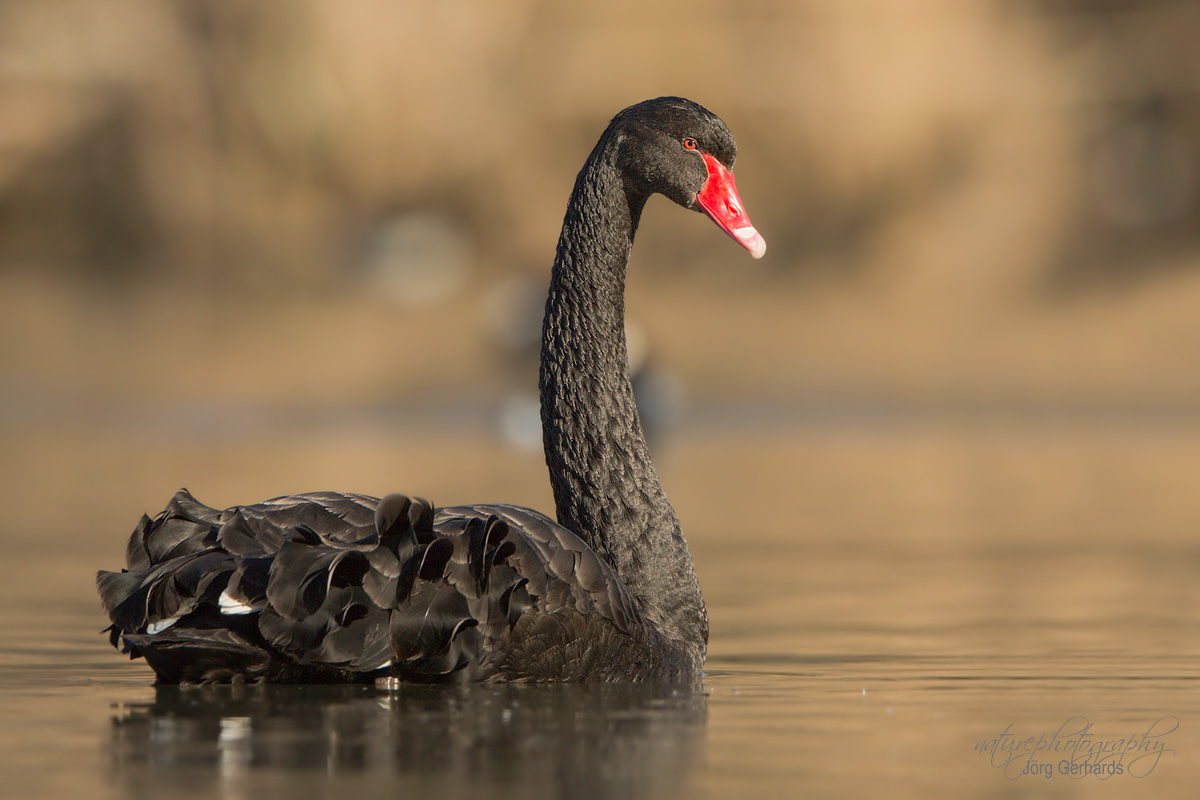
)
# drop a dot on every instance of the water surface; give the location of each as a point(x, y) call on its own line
point(890, 617)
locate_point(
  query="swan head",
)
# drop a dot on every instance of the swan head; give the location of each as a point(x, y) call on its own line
point(678, 148)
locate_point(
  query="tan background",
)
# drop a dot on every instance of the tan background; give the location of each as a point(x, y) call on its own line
point(983, 223)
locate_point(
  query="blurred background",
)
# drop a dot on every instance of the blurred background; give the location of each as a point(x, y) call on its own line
point(261, 248)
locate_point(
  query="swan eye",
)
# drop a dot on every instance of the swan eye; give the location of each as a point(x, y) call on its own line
point(689, 144)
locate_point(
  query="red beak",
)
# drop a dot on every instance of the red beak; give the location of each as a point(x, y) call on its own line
point(719, 199)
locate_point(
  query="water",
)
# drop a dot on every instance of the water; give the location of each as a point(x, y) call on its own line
point(890, 615)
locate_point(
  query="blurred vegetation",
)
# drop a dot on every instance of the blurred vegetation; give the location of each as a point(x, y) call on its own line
point(962, 198)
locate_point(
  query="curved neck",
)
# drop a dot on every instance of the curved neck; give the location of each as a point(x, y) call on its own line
point(605, 487)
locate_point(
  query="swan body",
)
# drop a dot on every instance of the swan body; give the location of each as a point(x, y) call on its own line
point(333, 587)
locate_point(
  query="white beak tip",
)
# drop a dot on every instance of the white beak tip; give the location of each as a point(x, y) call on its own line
point(752, 240)
point(759, 248)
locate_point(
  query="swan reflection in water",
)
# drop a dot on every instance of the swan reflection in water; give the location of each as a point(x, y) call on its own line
point(597, 741)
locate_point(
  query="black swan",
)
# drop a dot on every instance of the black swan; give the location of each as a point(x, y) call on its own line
point(331, 587)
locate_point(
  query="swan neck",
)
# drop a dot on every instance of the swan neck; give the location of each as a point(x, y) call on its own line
point(605, 486)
